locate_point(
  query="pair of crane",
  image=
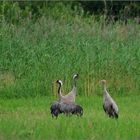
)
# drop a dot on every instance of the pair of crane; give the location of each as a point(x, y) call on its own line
point(66, 104)
point(109, 105)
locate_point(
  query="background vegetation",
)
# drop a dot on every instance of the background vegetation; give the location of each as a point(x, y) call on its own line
point(45, 41)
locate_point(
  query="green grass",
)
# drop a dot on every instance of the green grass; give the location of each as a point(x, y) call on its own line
point(30, 119)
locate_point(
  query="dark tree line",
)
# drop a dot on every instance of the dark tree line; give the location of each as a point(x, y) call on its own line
point(113, 10)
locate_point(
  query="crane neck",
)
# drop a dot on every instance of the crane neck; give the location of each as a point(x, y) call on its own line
point(59, 90)
point(104, 87)
point(74, 83)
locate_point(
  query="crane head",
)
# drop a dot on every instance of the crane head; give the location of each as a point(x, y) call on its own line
point(59, 82)
point(103, 82)
point(75, 76)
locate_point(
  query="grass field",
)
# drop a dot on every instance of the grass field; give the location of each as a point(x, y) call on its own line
point(30, 119)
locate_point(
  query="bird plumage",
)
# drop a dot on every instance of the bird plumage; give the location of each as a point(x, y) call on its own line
point(72, 94)
point(109, 105)
point(78, 110)
point(60, 96)
point(66, 104)
point(55, 109)
point(71, 108)
point(70, 97)
point(65, 108)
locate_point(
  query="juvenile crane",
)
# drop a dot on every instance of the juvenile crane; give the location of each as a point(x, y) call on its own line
point(109, 105)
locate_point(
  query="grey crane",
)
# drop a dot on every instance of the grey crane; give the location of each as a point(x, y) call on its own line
point(71, 108)
point(60, 96)
point(65, 108)
point(62, 99)
point(55, 109)
point(109, 105)
point(63, 105)
point(70, 97)
point(78, 110)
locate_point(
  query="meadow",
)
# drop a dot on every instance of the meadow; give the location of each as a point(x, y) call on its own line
point(31, 119)
point(35, 53)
